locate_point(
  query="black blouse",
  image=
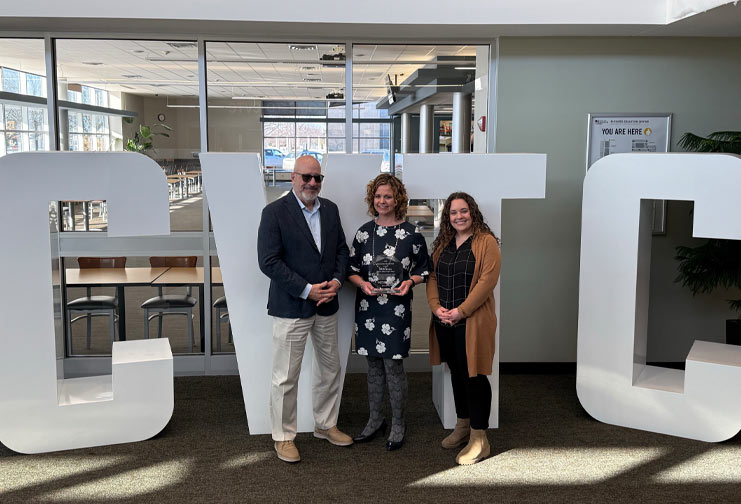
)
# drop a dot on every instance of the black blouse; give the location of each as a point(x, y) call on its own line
point(454, 272)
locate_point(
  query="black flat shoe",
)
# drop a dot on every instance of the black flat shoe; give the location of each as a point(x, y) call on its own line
point(395, 445)
point(364, 439)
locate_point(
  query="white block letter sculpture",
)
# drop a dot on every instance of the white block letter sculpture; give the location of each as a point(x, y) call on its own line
point(38, 412)
point(489, 178)
point(236, 196)
point(613, 382)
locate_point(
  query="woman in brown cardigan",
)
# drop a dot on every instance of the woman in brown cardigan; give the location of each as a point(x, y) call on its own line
point(460, 292)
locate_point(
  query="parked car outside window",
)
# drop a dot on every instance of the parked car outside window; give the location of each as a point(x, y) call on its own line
point(273, 158)
point(290, 160)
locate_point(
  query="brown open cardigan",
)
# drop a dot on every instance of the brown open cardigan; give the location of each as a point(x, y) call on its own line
point(478, 308)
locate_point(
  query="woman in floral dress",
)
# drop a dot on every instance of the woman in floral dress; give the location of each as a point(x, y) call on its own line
point(383, 247)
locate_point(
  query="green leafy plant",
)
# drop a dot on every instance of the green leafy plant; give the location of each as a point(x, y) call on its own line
point(143, 139)
point(716, 263)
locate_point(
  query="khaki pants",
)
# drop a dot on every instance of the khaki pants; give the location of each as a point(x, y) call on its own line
point(289, 341)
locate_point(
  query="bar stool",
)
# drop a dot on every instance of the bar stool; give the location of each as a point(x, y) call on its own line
point(222, 313)
point(170, 304)
point(94, 306)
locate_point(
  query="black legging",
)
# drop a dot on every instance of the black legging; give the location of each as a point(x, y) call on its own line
point(472, 395)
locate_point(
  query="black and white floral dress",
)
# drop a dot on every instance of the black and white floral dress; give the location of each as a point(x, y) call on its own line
point(383, 322)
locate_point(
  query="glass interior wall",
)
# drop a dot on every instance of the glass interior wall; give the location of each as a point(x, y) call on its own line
point(221, 330)
point(133, 95)
point(282, 100)
point(91, 333)
point(391, 80)
point(138, 96)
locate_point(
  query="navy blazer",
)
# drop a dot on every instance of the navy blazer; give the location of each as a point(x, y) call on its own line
point(288, 255)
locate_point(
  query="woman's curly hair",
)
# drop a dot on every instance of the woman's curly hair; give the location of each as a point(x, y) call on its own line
point(400, 194)
point(447, 232)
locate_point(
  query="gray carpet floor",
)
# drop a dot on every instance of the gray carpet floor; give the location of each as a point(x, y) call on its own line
point(547, 449)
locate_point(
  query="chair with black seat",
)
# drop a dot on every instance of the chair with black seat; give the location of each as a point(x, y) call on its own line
point(170, 304)
point(222, 314)
point(92, 306)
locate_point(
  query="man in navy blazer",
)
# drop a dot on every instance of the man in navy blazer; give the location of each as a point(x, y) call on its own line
point(301, 247)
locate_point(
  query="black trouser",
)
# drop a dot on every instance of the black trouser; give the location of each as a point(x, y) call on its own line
point(472, 395)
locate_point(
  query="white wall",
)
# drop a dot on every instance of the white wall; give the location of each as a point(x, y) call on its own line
point(234, 130)
point(547, 86)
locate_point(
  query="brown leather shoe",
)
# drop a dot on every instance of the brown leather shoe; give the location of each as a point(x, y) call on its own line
point(476, 450)
point(460, 434)
point(333, 435)
point(287, 451)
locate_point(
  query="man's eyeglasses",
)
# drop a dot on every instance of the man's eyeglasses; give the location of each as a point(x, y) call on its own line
point(306, 177)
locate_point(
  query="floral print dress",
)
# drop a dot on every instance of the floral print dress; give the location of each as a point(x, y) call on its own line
point(383, 322)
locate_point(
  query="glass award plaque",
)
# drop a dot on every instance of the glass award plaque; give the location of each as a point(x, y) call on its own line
point(385, 274)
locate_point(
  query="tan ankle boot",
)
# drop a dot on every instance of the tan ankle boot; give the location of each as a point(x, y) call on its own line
point(476, 450)
point(460, 434)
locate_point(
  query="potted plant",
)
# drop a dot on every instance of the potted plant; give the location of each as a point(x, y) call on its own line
point(143, 139)
point(716, 263)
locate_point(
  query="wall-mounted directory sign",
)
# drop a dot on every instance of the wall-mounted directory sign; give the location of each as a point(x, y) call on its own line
point(618, 133)
point(611, 133)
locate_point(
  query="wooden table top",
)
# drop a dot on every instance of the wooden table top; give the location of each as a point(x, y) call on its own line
point(188, 276)
point(113, 276)
point(418, 211)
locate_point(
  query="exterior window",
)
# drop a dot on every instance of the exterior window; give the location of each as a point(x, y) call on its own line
point(11, 80)
point(22, 127)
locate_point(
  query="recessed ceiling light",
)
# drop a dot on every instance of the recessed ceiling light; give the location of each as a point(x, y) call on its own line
point(312, 79)
point(182, 45)
point(92, 63)
point(302, 47)
point(308, 68)
point(132, 76)
point(138, 51)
